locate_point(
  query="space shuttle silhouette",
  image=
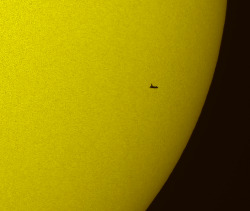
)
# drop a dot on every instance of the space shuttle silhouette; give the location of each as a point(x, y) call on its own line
point(153, 86)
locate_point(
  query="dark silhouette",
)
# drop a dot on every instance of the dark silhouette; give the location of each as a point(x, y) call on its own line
point(153, 86)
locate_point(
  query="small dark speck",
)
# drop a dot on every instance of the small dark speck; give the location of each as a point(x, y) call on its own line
point(153, 86)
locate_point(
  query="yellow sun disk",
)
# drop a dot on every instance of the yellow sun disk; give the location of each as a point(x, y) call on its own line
point(80, 128)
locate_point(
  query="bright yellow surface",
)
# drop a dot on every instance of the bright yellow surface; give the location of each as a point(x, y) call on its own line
point(80, 128)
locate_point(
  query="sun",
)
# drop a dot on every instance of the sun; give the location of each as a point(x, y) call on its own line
point(99, 98)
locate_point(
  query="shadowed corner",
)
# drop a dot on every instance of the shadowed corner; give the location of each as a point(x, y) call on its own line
point(153, 86)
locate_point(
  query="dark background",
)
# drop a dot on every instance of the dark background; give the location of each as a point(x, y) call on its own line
point(213, 172)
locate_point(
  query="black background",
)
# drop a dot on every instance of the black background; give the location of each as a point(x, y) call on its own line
point(213, 172)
